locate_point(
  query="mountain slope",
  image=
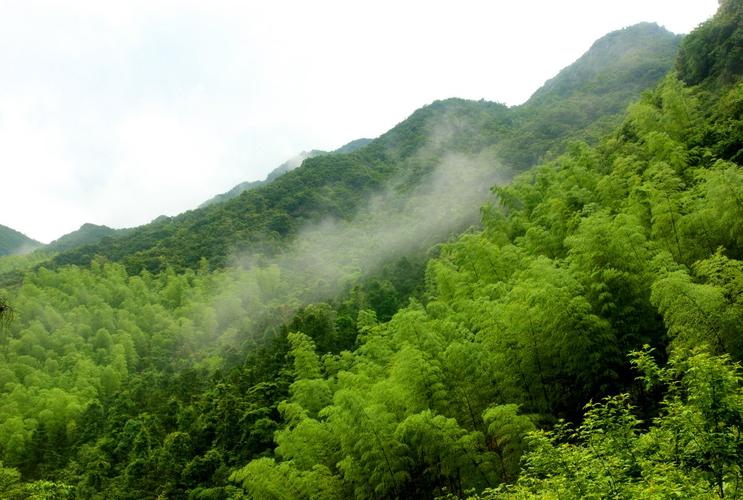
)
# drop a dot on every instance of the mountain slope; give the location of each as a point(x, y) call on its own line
point(336, 185)
point(597, 269)
point(167, 385)
point(353, 145)
point(14, 243)
point(698, 63)
point(586, 99)
point(634, 56)
point(88, 234)
point(287, 166)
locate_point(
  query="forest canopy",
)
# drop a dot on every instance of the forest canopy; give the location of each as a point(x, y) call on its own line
point(582, 339)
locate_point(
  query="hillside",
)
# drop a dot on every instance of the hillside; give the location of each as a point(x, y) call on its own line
point(287, 166)
point(353, 145)
point(585, 343)
point(88, 234)
point(14, 243)
point(583, 340)
point(723, 65)
point(586, 99)
point(337, 185)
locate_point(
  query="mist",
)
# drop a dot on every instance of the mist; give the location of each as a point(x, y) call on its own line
point(397, 222)
point(435, 199)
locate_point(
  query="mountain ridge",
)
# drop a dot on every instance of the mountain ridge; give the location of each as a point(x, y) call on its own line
point(87, 234)
point(334, 185)
point(287, 166)
point(14, 242)
point(496, 367)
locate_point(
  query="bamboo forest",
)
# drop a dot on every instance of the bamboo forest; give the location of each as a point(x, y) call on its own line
point(485, 302)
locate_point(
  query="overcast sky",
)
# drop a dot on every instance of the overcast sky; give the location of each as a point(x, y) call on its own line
point(115, 112)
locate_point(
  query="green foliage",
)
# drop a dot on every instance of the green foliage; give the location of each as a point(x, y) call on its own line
point(88, 234)
point(12, 242)
point(595, 254)
point(263, 478)
point(402, 372)
point(506, 431)
point(713, 50)
point(12, 488)
point(583, 102)
point(692, 449)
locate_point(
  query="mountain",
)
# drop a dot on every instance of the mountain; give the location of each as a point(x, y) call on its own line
point(293, 163)
point(14, 243)
point(88, 234)
point(285, 167)
point(587, 99)
point(353, 145)
point(632, 56)
point(583, 341)
point(232, 193)
point(698, 63)
point(582, 102)
point(608, 279)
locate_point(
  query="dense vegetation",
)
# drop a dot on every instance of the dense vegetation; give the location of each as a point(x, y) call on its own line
point(583, 101)
point(583, 341)
point(12, 242)
point(714, 55)
point(88, 234)
point(590, 257)
point(285, 167)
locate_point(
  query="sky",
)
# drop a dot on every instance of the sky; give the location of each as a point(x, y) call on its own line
point(116, 112)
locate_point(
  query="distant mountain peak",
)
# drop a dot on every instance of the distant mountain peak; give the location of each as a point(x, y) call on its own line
point(583, 102)
point(87, 234)
point(353, 145)
point(292, 163)
point(13, 242)
point(289, 165)
point(612, 56)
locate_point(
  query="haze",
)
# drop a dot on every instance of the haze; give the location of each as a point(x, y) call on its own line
point(117, 112)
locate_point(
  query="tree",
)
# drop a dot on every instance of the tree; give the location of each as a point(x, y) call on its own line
point(692, 449)
point(6, 314)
